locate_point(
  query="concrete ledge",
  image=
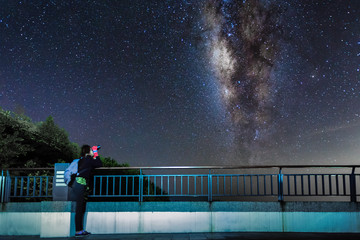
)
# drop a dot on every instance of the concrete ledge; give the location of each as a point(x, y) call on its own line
point(21, 207)
point(56, 219)
point(223, 207)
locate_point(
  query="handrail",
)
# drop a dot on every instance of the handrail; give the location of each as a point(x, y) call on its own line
point(27, 169)
point(231, 167)
point(203, 167)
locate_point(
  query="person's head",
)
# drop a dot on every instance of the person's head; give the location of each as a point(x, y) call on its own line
point(86, 150)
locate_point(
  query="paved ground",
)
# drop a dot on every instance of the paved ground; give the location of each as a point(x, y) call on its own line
point(203, 236)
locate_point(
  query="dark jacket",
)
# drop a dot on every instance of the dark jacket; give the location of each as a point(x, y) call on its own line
point(86, 165)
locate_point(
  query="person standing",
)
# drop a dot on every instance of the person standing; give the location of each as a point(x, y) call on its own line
point(89, 160)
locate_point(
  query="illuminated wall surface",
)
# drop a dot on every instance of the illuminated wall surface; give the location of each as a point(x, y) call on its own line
point(56, 219)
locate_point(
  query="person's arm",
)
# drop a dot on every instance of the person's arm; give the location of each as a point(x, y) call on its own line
point(96, 163)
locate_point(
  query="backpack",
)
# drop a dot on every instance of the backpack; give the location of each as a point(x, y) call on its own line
point(71, 172)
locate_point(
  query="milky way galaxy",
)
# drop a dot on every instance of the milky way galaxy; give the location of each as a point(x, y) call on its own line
point(189, 82)
point(242, 41)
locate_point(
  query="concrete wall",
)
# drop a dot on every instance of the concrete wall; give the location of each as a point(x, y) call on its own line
point(47, 219)
point(56, 219)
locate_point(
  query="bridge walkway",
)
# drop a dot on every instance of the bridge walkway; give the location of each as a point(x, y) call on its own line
point(202, 236)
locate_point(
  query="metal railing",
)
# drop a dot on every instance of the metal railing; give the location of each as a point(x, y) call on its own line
point(233, 186)
point(27, 187)
point(209, 183)
point(31, 186)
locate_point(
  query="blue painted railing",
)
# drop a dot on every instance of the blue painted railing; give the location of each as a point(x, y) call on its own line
point(30, 187)
point(215, 183)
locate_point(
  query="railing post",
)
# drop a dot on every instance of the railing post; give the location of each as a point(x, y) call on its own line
point(209, 186)
point(352, 186)
point(6, 187)
point(140, 186)
point(281, 186)
point(2, 186)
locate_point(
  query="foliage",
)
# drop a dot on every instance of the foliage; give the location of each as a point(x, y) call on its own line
point(14, 135)
point(28, 144)
point(110, 162)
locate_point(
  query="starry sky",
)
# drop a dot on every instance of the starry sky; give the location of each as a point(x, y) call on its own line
point(190, 82)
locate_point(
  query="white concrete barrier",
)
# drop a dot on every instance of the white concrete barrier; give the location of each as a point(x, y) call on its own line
point(56, 219)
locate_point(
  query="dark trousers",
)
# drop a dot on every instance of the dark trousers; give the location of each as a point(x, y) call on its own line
point(77, 194)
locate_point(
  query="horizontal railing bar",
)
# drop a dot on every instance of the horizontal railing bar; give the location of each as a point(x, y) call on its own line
point(104, 196)
point(31, 196)
point(201, 167)
point(322, 195)
point(169, 175)
point(175, 195)
point(230, 167)
point(312, 174)
point(246, 175)
point(122, 176)
point(27, 169)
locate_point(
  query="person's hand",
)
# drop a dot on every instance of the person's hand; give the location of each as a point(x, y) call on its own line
point(95, 150)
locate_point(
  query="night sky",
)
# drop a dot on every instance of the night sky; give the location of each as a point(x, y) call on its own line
point(191, 82)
